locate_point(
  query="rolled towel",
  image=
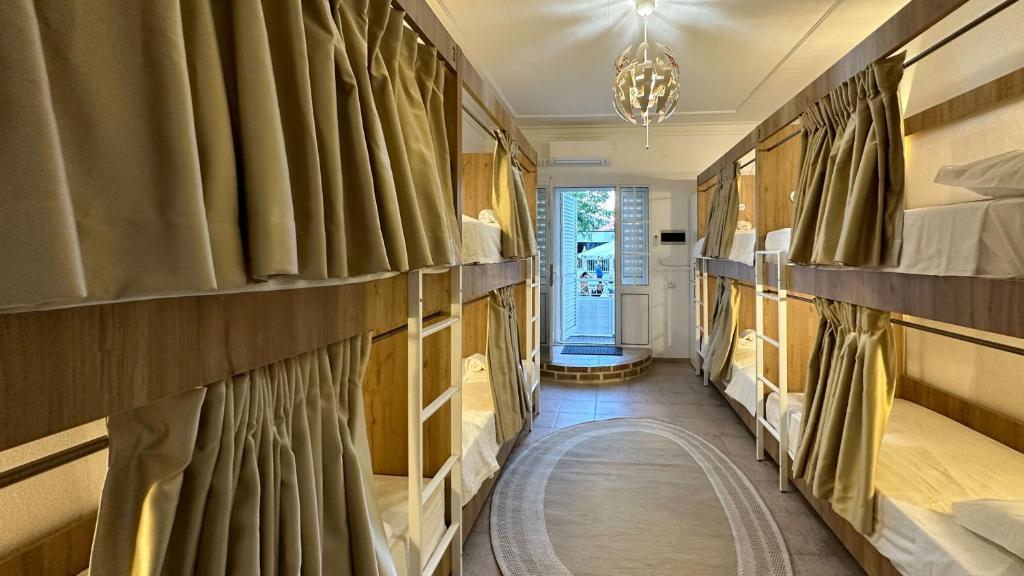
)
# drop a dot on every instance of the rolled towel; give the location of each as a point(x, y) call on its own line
point(474, 363)
point(488, 217)
point(744, 226)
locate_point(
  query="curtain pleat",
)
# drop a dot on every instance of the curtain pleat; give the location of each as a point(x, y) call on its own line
point(850, 390)
point(725, 210)
point(193, 145)
point(264, 473)
point(508, 197)
point(509, 385)
point(384, 49)
point(724, 324)
point(850, 194)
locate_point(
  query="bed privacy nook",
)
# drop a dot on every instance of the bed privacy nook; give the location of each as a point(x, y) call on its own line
point(869, 253)
point(301, 359)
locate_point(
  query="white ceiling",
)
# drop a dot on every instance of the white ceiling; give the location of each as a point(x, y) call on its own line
point(740, 59)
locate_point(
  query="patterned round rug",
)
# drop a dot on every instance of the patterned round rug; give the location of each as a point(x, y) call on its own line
point(629, 496)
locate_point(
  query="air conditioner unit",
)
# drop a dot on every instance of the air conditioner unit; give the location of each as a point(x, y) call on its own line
point(581, 153)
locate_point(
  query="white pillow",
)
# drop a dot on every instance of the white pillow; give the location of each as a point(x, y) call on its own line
point(999, 176)
point(999, 521)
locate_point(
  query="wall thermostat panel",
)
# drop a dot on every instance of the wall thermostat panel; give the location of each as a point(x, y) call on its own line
point(673, 236)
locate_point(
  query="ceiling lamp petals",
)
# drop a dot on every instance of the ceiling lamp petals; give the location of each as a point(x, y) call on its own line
point(646, 80)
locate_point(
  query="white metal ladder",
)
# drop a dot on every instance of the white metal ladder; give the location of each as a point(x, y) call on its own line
point(779, 296)
point(533, 330)
point(700, 312)
point(418, 415)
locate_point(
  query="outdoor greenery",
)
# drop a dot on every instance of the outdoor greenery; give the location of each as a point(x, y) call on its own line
point(594, 210)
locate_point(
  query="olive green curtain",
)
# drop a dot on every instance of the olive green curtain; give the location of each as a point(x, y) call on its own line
point(722, 336)
point(851, 190)
point(509, 385)
point(850, 390)
point(174, 147)
point(264, 473)
point(725, 211)
point(508, 197)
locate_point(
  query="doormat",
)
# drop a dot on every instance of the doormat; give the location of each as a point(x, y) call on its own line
point(592, 350)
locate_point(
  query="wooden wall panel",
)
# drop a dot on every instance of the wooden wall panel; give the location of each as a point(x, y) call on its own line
point(907, 24)
point(778, 169)
point(479, 279)
point(477, 183)
point(474, 328)
point(746, 185)
point(64, 552)
point(747, 315)
point(987, 304)
point(385, 397)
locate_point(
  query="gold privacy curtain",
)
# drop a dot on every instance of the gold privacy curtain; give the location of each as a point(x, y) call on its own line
point(724, 323)
point(265, 473)
point(509, 385)
point(850, 389)
point(157, 148)
point(725, 210)
point(508, 197)
point(850, 195)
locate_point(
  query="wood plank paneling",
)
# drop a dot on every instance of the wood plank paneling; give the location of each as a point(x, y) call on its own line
point(477, 183)
point(989, 304)
point(65, 552)
point(748, 206)
point(424, 21)
point(916, 17)
point(474, 328)
point(479, 279)
point(1002, 429)
point(975, 101)
point(64, 368)
point(705, 197)
point(731, 269)
point(778, 169)
point(485, 95)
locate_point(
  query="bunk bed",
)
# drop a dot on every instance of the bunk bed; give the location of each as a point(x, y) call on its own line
point(124, 350)
point(944, 461)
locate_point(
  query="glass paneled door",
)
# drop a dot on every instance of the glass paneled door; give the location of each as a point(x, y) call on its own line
point(586, 266)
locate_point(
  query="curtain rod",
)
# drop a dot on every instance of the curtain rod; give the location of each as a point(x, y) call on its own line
point(958, 33)
point(52, 461)
point(962, 337)
point(490, 131)
point(745, 164)
point(786, 139)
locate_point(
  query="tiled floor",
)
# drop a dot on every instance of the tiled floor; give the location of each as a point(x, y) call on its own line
point(670, 392)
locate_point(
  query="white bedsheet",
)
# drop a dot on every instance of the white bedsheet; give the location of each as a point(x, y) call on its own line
point(479, 435)
point(481, 241)
point(393, 501)
point(928, 462)
point(796, 414)
point(778, 240)
point(971, 239)
point(741, 386)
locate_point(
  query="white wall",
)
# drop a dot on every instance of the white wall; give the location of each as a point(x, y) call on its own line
point(670, 168)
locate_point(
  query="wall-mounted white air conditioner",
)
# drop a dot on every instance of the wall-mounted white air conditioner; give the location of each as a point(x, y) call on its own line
point(581, 153)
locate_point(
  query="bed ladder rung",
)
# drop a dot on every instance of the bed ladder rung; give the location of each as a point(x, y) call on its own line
point(440, 401)
point(769, 296)
point(438, 480)
point(770, 340)
point(771, 385)
point(768, 426)
point(442, 547)
point(436, 327)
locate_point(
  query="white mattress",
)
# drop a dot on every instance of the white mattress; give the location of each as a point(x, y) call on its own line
point(481, 241)
point(928, 462)
point(971, 239)
point(796, 414)
point(393, 500)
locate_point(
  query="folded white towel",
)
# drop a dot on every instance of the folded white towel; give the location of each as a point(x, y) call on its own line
point(744, 226)
point(474, 363)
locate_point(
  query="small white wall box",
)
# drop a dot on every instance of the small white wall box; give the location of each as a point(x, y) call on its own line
point(673, 236)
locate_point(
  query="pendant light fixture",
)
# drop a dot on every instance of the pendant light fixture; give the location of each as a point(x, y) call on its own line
point(646, 79)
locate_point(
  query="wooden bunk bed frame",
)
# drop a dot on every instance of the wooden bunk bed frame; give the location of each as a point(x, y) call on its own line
point(119, 356)
point(990, 305)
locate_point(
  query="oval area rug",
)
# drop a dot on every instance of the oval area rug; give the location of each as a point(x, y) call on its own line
point(631, 497)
